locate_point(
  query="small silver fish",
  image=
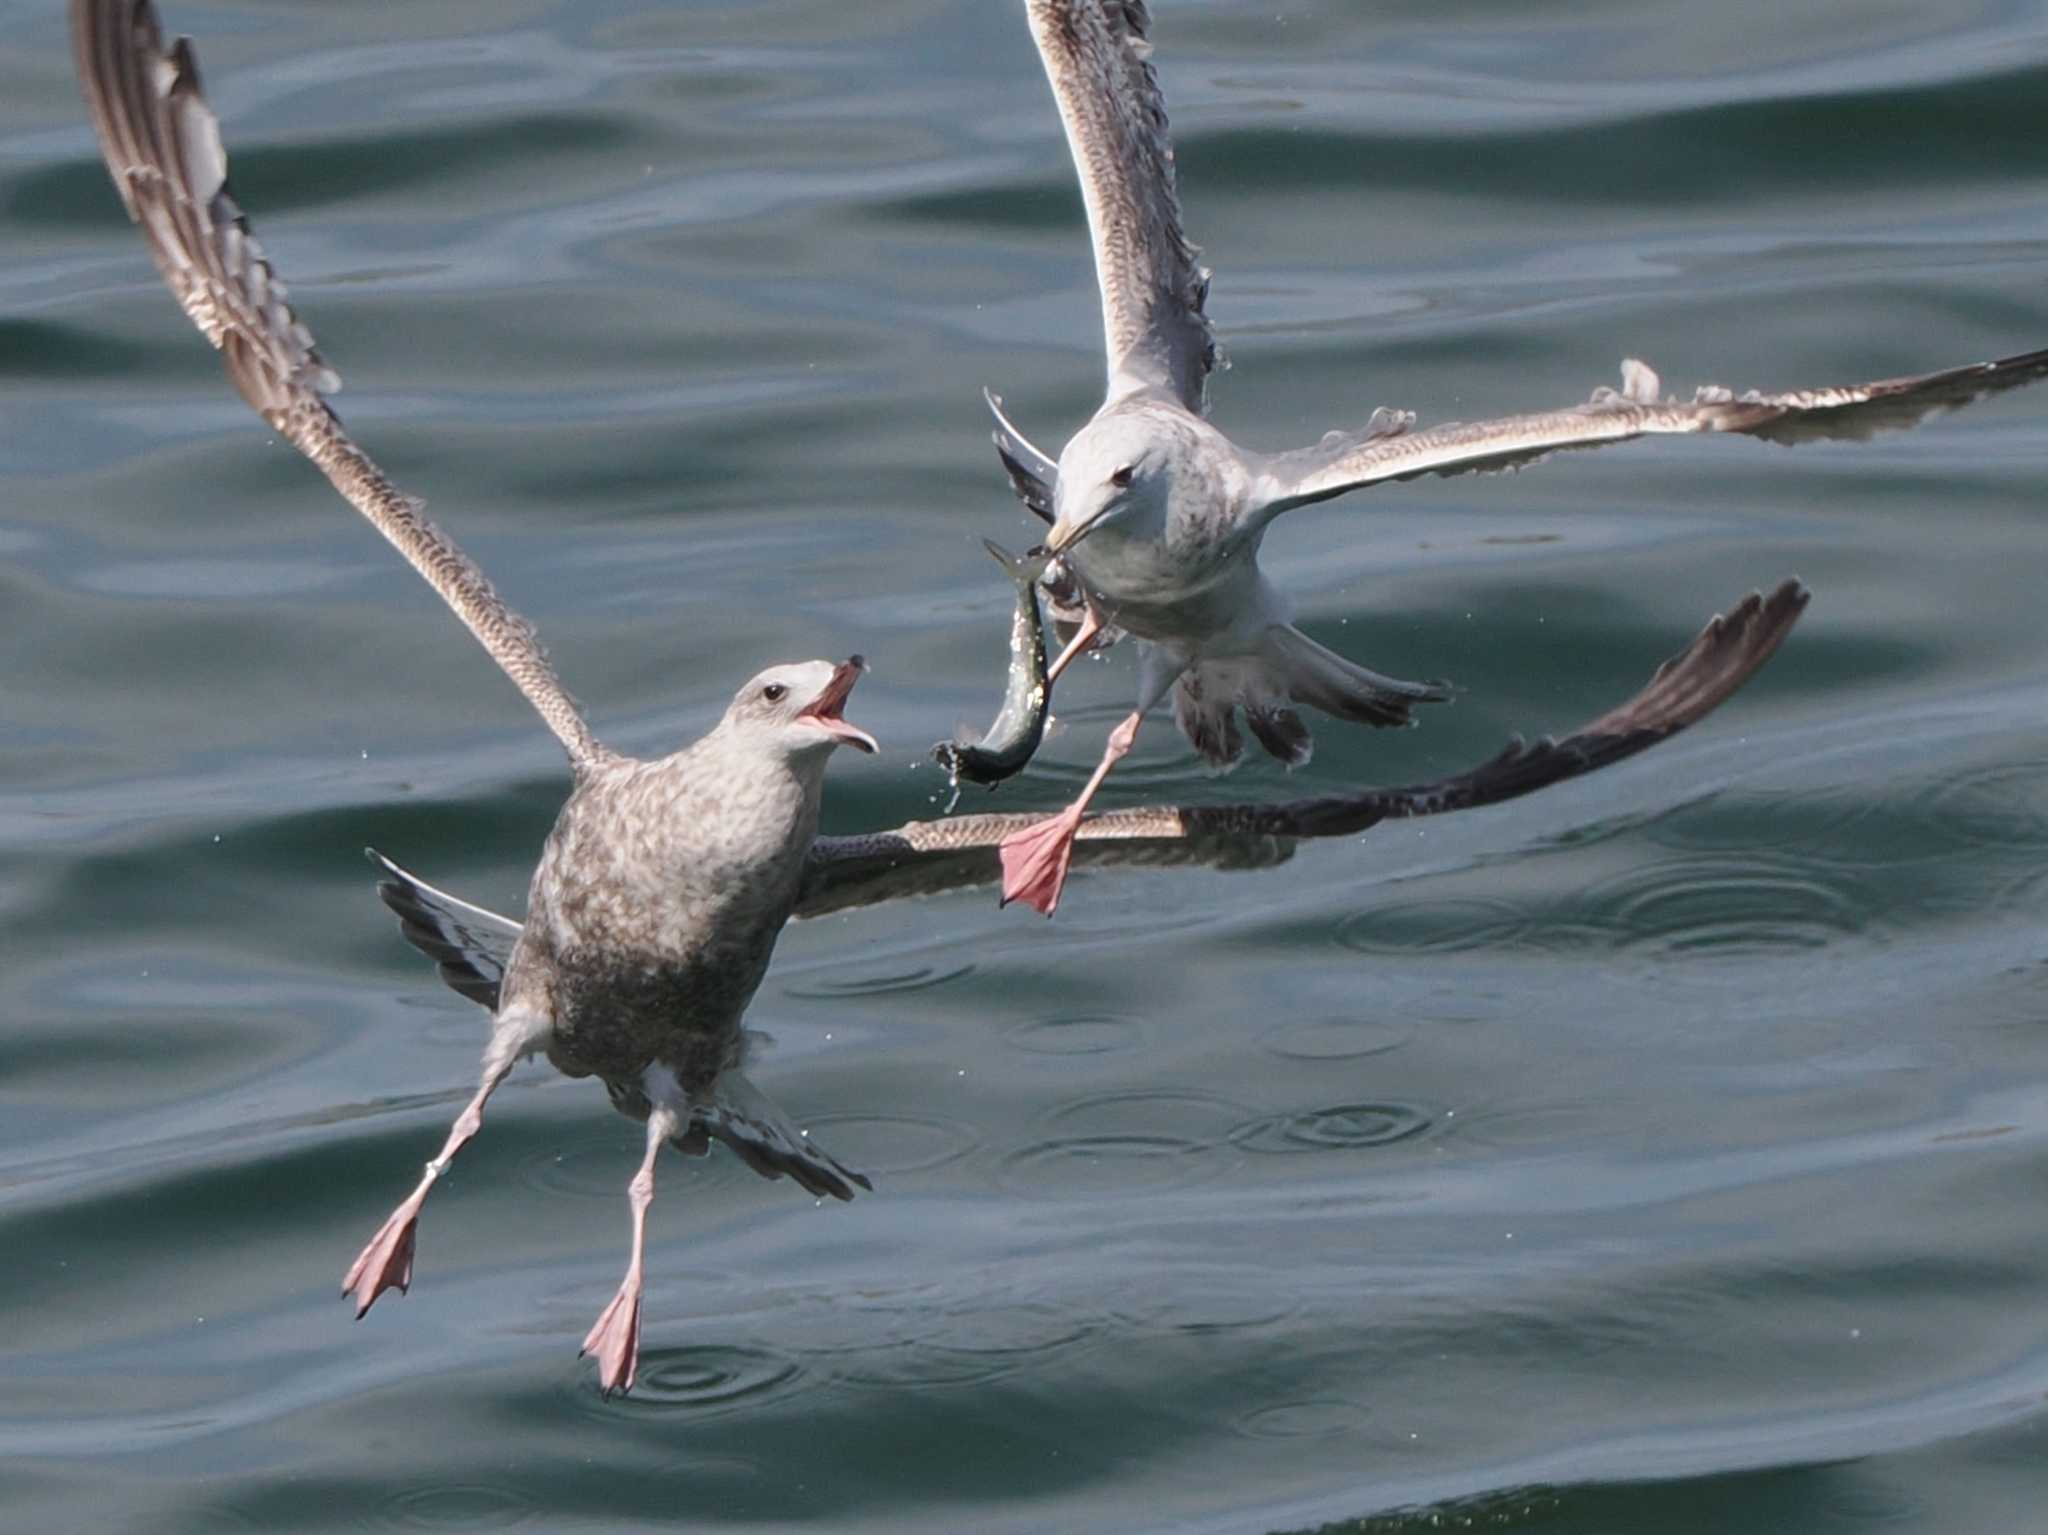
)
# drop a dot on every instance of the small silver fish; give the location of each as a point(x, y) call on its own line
point(1008, 744)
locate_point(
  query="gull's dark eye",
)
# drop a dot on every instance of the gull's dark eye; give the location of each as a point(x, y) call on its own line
point(775, 692)
point(1122, 477)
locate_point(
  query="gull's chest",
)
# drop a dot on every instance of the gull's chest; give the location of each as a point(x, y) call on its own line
point(644, 971)
point(655, 905)
point(1197, 577)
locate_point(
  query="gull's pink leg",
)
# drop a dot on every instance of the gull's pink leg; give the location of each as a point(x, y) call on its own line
point(1035, 859)
point(615, 1338)
point(1091, 625)
point(386, 1263)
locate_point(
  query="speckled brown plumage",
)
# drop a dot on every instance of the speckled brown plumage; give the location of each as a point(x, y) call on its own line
point(656, 904)
point(662, 888)
point(929, 857)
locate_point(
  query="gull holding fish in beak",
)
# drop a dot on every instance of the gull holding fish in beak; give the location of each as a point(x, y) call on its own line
point(1158, 516)
point(664, 884)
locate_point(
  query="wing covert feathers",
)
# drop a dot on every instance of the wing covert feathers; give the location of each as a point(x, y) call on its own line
point(1389, 449)
point(1097, 57)
point(163, 148)
point(924, 857)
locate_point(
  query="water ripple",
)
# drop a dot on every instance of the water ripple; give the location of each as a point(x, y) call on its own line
point(1313, 1418)
point(1344, 1127)
point(456, 1506)
point(881, 1144)
point(1150, 1139)
point(1092, 1034)
point(1731, 909)
point(1442, 925)
point(920, 978)
point(707, 1379)
point(1337, 1039)
point(972, 1345)
point(1221, 1303)
point(2003, 807)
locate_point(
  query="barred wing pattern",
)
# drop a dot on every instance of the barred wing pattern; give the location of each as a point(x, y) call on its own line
point(1097, 58)
point(925, 857)
point(162, 144)
point(931, 857)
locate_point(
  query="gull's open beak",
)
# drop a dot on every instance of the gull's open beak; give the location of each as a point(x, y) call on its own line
point(823, 711)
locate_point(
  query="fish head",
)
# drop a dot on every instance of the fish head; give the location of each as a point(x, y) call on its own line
point(796, 708)
point(1116, 477)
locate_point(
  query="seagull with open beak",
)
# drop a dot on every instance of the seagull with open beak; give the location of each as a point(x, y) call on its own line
point(663, 887)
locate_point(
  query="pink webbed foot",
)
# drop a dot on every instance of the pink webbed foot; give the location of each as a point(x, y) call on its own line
point(1035, 861)
point(386, 1263)
point(615, 1339)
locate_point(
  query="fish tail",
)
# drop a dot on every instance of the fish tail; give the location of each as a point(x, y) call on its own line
point(1023, 568)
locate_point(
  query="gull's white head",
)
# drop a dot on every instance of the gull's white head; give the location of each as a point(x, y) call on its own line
point(794, 710)
point(1115, 475)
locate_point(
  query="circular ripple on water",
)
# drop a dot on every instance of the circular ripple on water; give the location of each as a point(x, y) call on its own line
point(918, 978)
point(2003, 807)
point(713, 1378)
point(1312, 1418)
point(854, 1322)
point(1442, 925)
point(1860, 824)
point(1342, 1127)
point(1093, 1034)
point(1337, 1039)
point(1125, 1140)
point(456, 1506)
point(1731, 909)
point(887, 1144)
point(972, 1345)
point(1199, 1306)
point(586, 1167)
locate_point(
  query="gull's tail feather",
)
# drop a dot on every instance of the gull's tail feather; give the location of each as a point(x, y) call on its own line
point(1309, 674)
point(743, 1117)
point(1280, 730)
point(1206, 700)
point(1205, 708)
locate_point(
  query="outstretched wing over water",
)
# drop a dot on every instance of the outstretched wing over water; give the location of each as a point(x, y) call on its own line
point(1096, 55)
point(925, 857)
point(928, 857)
point(1389, 449)
point(162, 144)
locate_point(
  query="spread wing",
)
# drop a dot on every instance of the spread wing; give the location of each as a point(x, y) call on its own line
point(1096, 56)
point(470, 946)
point(928, 857)
point(162, 144)
point(1388, 448)
point(925, 857)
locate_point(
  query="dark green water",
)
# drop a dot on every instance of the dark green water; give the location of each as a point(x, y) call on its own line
point(1666, 1153)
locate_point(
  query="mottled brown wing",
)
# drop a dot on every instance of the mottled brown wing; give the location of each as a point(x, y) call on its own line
point(162, 145)
point(926, 857)
point(1390, 450)
point(1096, 55)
